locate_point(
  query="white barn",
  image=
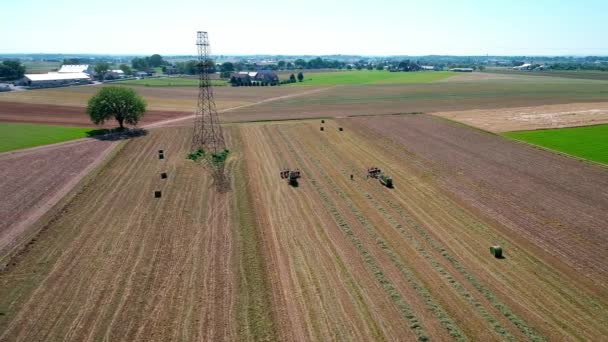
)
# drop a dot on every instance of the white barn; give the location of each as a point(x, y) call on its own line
point(55, 79)
point(75, 68)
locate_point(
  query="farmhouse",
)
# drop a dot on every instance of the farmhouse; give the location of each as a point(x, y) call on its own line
point(55, 79)
point(264, 76)
point(115, 74)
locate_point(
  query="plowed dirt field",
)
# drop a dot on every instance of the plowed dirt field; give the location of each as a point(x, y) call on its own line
point(352, 260)
point(118, 264)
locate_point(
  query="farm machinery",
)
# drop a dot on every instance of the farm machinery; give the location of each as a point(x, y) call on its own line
point(291, 176)
point(384, 179)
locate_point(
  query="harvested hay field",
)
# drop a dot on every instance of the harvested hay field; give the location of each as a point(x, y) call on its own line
point(352, 260)
point(556, 203)
point(119, 264)
point(69, 115)
point(172, 99)
point(352, 100)
point(531, 118)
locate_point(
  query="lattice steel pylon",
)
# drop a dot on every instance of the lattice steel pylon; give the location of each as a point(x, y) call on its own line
point(208, 134)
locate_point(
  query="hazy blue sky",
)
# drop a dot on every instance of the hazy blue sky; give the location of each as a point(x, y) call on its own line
point(383, 27)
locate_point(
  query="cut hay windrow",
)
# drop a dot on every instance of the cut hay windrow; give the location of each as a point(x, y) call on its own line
point(520, 323)
point(412, 280)
point(477, 306)
point(372, 265)
point(353, 288)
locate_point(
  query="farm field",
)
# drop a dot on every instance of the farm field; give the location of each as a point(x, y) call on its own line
point(478, 94)
point(590, 142)
point(530, 118)
point(34, 180)
point(580, 74)
point(527, 191)
point(16, 136)
point(368, 77)
point(168, 82)
point(117, 263)
point(159, 99)
point(352, 260)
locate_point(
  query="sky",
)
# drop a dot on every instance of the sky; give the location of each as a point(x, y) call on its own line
point(311, 27)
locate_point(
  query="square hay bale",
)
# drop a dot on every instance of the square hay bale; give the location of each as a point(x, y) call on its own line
point(496, 251)
point(163, 175)
point(157, 194)
point(161, 156)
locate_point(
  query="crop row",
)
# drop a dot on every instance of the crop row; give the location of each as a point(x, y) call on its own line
point(389, 288)
point(484, 291)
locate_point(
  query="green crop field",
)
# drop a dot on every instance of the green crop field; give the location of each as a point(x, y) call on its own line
point(169, 82)
point(16, 136)
point(588, 142)
point(370, 77)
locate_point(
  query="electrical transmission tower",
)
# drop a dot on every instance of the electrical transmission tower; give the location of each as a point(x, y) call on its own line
point(207, 130)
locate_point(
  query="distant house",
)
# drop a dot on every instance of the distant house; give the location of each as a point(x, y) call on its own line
point(525, 66)
point(266, 76)
point(263, 77)
point(75, 68)
point(112, 74)
point(462, 69)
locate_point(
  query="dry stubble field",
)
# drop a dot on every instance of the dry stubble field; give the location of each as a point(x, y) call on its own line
point(332, 259)
point(118, 264)
point(351, 260)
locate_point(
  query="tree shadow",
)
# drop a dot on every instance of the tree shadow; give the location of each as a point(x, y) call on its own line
point(115, 134)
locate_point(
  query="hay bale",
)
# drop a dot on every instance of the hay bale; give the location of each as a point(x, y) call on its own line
point(161, 156)
point(322, 121)
point(340, 129)
point(321, 128)
point(157, 194)
point(163, 175)
point(161, 151)
point(496, 251)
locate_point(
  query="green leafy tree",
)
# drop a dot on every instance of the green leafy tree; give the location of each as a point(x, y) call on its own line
point(101, 69)
point(11, 70)
point(227, 67)
point(70, 61)
point(156, 60)
point(139, 63)
point(126, 69)
point(281, 64)
point(120, 103)
point(300, 76)
point(292, 78)
point(300, 63)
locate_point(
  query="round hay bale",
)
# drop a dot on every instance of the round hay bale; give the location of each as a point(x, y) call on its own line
point(163, 175)
point(161, 151)
point(321, 128)
point(322, 121)
point(340, 129)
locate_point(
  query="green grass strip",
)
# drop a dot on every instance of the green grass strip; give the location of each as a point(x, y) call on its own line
point(14, 136)
point(588, 142)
